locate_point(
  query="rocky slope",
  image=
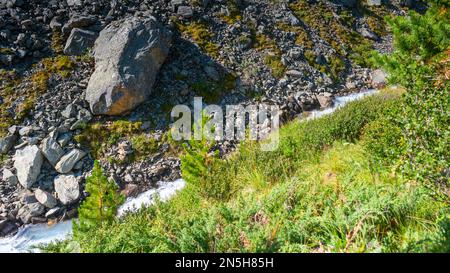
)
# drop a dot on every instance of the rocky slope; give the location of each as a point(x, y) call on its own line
point(152, 55)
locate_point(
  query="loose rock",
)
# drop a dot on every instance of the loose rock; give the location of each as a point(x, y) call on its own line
point(67, 189)
point(9, 177)
point(128, 55)
point(79, 41)
point(30, 210)
point(45, 198)
point(28, 162)
point(68, 161)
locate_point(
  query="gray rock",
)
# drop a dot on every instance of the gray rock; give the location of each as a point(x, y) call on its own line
point(27, 197)
point(51, 150)
point(64, 139)
point(379, 78)
point(368, 34)
point(9, 177)
point(6, 59)
point(79, 124)
point(128, 55)
point(30, 210)
point(6, 227)
point(14, 3)
point(325, 101)
point(68, 161)
point(51, 213)
point(7, 143)
point(84, 115)
point(25, 131)
point(374, 2)
point(294, 73)
point(185, 11)
point(69, 112)
point(78, 21)
point(13, 130)
point(79, 41)
point(320, 59)
point(67, 189)
point(55, 23)
point(28, 162)
point(72, 3)
point(45, 198)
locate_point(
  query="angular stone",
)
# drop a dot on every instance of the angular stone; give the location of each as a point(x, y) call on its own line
point(368, 34)
point(55, 23)
point(69, 112)
point(379, 78)
point(68, 161)
point(6, 227)
point(84, 115)
point(9, 177)
point(374, 2)
point(7, 143)
point(51, 150)
point(185, 11)
point(131, 190)
point(30, 210)
point(52, 212)
point(67, 189)
point(28, 162)
point(128, 55)
point(325, 101)
point(25, 131)
point(45, 198)
point(78, 21)
point(294, 73)
point(27, 197)
point(79, 41)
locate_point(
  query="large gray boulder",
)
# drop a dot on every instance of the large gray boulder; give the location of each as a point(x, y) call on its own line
point(67, 189)
point(28, 162)
point(79, 41)
point(128, 54)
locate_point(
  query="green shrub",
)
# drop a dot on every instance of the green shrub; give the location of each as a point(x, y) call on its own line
point(101, 204)
point(384, 140)
point(144, 145)
point(419, 62)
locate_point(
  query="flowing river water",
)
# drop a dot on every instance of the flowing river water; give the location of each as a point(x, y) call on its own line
point(32, 235)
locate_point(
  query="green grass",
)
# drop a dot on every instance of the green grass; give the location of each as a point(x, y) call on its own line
point(338, 204)
point(199, 33)
point(275, 64)
point(321, 191)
